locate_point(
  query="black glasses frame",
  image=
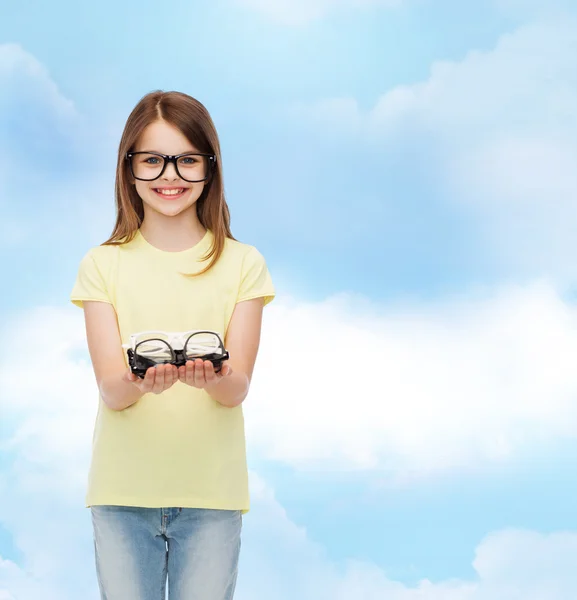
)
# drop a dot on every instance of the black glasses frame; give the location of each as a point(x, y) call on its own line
point(173, 159)
point(140, 364)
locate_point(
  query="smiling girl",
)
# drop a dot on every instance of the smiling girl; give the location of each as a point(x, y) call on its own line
point(168, 481)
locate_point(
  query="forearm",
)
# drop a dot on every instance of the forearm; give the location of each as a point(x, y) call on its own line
point(117, 393)
point(230, 391)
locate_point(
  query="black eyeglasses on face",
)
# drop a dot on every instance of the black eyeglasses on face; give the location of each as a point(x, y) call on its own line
point(190, 166)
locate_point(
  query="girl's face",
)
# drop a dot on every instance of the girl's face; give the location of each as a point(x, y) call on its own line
point(169, 194)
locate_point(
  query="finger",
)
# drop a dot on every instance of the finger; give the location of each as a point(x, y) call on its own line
point(199, 380)
point(159, 381)
point(131, 377)
point(174, 374)
point(190, 372)
point(168, 376)
point(226, 370)
point(209, 373)
point(181, 373)
point(148, 381)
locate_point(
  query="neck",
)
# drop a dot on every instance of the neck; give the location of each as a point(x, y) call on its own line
point(172, 234)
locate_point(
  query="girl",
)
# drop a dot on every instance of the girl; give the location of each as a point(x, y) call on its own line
point(168, 481)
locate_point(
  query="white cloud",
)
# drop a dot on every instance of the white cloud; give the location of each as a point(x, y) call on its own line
point(409, 390)
point(32, 108)
point(39, 125)
point(509, 565)
point(48, 411)
point(298, 12)
point(21, 71)
point(413, 390)
point(16, 584)
point(501, 126)
point(478, 378)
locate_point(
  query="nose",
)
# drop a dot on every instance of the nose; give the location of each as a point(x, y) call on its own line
point(170, 171)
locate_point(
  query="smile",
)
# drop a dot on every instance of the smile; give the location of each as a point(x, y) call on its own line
point(170, 193)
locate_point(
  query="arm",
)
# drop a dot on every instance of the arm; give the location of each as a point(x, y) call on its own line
point(105, 347)
point(118, 386)
point(242, 342)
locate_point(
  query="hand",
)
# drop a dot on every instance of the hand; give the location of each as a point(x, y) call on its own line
point(200, 374)
point(156, 380)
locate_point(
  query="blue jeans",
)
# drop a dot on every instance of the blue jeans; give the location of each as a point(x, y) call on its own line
point(138, 549)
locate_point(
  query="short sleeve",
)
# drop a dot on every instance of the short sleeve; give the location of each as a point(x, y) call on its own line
point(89, 284)
point(255, 281)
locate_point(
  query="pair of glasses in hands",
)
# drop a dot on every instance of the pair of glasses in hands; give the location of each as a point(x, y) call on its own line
point(150, 348)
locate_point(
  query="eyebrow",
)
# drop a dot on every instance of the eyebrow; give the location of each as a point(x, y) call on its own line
point(177, 154)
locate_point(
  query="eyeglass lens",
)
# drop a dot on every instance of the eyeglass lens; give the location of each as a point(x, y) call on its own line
point(159, 349)
point(190, 167)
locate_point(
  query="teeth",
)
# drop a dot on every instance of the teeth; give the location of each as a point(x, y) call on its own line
point(171, 192)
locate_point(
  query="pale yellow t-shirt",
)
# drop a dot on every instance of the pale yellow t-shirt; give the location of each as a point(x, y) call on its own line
point(180, 448)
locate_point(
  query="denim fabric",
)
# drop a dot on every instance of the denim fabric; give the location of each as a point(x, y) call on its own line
point(138, 550)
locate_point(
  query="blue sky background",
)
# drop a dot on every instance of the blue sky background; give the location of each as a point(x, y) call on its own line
point(408, 170)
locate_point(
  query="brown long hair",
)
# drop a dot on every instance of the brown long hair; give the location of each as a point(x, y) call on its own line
point(193, 120)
